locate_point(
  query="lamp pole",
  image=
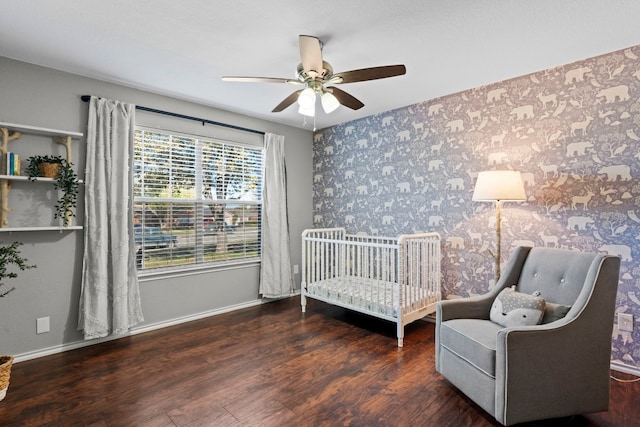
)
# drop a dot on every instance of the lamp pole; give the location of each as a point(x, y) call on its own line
point(498, 235)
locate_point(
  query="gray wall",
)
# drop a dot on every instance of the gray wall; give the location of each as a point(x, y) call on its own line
point(39, 96)
point(574, 133)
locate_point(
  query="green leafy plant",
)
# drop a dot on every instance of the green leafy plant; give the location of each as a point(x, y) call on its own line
point(66, 181)
point(10, 255)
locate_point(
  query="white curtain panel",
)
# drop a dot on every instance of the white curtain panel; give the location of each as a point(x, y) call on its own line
point(276, 279)
point(110, 297)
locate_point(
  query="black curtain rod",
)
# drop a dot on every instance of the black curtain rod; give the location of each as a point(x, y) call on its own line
point(86, 98)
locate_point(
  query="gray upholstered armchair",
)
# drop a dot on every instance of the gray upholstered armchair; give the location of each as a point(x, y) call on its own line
point(554, 369)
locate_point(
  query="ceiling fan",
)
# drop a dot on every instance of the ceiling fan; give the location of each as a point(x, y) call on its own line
point(315, 74)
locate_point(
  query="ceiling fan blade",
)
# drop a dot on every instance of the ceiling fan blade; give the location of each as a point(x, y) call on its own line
point(365, 74)
point(310, 54)
point(345, 99)
point(259, 80)
point(287, 101)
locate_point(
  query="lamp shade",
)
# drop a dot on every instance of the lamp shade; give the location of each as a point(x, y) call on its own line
point(499, 185)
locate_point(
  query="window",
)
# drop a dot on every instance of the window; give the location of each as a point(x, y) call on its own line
point(197, 201)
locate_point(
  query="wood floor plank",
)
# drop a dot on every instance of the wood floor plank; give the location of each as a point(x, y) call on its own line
point(201, 412)
point(268, 365)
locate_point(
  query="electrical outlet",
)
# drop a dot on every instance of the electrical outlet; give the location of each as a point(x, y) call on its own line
point(295, 269)
point(625, 322)
point(42, 325)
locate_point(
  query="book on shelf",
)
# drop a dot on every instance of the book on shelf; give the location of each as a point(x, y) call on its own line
point(10, 164)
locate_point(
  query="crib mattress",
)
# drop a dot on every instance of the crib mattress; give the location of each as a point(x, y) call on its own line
point(375, 296)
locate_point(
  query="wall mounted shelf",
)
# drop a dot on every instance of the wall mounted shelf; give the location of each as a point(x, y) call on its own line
point(35, 130)
point(26, 178)
point(45, 228)
point(11, 132)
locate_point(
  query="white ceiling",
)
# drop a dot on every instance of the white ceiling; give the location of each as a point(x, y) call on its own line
point(181, 48)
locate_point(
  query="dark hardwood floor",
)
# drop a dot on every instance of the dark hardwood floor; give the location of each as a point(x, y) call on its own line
point(263, 366)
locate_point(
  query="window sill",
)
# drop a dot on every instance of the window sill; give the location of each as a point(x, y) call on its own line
point(158, 274)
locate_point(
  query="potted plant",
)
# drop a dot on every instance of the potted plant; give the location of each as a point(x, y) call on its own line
point(9, 256)
point(66, 180)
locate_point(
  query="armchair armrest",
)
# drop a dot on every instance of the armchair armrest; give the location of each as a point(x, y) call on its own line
point(468, 308)
point(535, 361)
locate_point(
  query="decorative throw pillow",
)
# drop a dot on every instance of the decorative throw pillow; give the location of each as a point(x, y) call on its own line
point(553, 312)
point(511, 308)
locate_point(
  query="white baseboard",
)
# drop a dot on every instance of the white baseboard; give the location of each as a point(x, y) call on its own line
point(198, 316)
point(139, 330)
point(620, 367)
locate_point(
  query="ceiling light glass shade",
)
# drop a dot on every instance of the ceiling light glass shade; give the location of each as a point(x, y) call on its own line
point(307, 111)
point(329, 102)
point(307, 98)
point(499, 185)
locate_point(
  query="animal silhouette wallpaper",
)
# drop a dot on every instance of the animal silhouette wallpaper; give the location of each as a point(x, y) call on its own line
point(573, 131)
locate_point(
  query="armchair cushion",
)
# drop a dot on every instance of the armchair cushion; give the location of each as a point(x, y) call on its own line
point(472, 340)
point(512, 308)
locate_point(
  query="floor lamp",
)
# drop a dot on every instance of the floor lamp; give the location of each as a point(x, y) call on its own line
point(499, 186)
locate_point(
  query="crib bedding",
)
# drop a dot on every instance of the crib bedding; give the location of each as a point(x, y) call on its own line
point(372, 295)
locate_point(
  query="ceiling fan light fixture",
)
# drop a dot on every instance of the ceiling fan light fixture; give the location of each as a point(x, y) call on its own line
point(329, 102)
point(307, 111)
point(314, 73)
point(307, 98)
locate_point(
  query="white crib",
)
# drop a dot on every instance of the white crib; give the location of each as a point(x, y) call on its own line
point(396, 279)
